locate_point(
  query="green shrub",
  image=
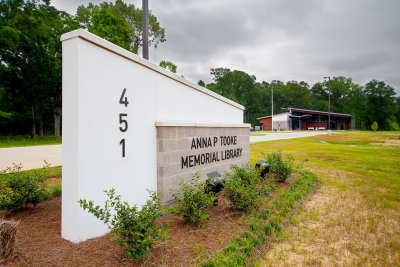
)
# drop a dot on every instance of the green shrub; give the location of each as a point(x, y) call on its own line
point(242, 187)
point(192, 200)
point(19, 188)
point(279, 167)
point(133, 229)
point(374, 126)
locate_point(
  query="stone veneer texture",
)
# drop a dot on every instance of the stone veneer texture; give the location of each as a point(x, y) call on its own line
point(173, 143)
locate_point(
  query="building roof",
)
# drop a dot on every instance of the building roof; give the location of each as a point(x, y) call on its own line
point(318, 112)
point(266, 117)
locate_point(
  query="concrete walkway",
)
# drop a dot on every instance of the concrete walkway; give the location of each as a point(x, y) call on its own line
point(284, 135)
point(31, 157)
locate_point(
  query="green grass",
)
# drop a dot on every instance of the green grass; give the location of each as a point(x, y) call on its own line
point(361, 191)
point(373, 166)
point(23, 140)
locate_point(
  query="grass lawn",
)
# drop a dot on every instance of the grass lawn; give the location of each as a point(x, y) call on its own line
point(26, 140)
point(354, 218)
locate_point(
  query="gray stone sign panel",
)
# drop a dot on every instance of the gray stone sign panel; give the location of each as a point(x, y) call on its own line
point(182, 151)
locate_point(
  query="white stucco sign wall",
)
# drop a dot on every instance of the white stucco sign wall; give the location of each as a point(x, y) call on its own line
point(112, 100)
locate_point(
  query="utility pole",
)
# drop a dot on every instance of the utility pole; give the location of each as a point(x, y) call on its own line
point(272, 109)
point(329, 100)
point(145, 24)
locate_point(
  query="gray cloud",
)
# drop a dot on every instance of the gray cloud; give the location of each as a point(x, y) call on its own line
point(274, 39)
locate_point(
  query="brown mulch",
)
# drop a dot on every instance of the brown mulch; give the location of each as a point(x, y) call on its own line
point(39, 241)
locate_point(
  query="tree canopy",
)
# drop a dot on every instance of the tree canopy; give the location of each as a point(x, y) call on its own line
point(31, 59)
point(119, 23)
point(375, 101)
point(168, 65)
point(30, 55)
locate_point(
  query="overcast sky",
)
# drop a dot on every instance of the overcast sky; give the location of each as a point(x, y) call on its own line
point(278, 39)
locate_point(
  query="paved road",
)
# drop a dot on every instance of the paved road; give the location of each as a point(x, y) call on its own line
point(285, 135)
point(31, 157)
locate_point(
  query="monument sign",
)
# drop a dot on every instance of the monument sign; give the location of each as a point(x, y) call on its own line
point(132, 126)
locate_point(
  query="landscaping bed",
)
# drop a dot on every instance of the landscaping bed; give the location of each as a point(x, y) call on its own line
point(229, 236)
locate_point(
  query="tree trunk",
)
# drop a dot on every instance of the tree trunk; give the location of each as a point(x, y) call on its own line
point(57, 121)
point(41, 118)
point(33, 132)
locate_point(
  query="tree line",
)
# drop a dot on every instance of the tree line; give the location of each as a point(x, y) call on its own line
point(31, 65)
point(375, 101)
point(31, 56)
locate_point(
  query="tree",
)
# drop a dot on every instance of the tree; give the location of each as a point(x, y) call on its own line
point(31, 58)
point(120, 23)
point(202, 83)
point(168, 65)
point(340, 90)
point(381, 103)
point(398, 109)
point(298, 94)
point(280, 95)
point(319, 97)
point(111, 27)
point(240, 87)
point(356, 104)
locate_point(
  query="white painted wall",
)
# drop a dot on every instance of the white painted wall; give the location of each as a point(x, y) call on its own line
point(281, 117)
point(95, 72)
point(177, 101)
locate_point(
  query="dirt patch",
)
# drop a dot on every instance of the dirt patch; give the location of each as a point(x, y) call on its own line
point(388, 142)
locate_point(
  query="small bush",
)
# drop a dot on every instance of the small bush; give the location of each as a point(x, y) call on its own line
point(241, 186)
point(374, 126)
point(133, 229)
point(192, 200)
point(279, 167)
point(19, 188)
